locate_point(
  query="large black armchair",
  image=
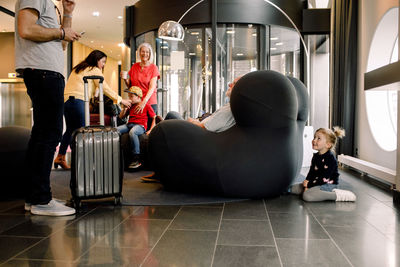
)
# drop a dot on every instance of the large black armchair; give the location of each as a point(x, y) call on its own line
point(258, 157)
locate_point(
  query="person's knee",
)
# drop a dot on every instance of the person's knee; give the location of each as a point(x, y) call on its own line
point(137, 130)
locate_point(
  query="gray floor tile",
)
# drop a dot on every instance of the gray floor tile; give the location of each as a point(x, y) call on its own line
point(240, 232)
point(366, 246)
point(66, 245)
point(12, 206)
point(113, 256)
point(101, 220)
point(320, 208)
point(11, 246)
point(135, 233)
point(340, 218)
point(183, 248)
point(304, 226)
point(155, 212)
point(10, 221)
point(39, 226)
point(197, 218)
point(384, 218)
point(39, 263)
point(285, 203)
point(240, 256)
point(310, 253)
point(247, 210)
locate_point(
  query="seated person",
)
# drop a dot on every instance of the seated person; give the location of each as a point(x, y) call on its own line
point(137, 123)
point(220, 120)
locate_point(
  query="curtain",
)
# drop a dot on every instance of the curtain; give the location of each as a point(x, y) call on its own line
point(344, 71)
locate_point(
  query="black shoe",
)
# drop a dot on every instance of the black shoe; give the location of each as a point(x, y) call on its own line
point(151, 178)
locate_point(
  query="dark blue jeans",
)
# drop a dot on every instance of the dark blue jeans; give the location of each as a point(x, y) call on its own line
point(46, 90)
point(74, 112)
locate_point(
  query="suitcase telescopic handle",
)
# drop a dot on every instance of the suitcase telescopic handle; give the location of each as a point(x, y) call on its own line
point(86, 97)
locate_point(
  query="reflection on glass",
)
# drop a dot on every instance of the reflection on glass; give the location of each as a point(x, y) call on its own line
point(319, 80)
point(15, 105)
point(186, 72)
point(285, 51)
point(236, 55)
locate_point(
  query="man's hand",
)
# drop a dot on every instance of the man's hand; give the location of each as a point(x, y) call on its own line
point(71, 35)
point(305, 183)
point(68, 6)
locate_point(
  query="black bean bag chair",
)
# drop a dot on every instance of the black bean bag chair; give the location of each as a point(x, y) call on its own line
point(13, 146)
point(258, 157)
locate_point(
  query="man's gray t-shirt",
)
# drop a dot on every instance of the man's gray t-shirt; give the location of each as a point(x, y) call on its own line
point(220, 120)
point(39, 55)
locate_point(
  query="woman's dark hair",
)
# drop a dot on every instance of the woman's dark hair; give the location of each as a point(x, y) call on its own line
point(90, 61)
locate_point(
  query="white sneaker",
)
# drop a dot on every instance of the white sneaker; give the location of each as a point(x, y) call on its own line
point(27, 206)
point(344, 195)
point(134, 165)
point(53, 208)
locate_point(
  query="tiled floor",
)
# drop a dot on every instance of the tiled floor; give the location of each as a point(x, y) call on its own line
point(284, 231)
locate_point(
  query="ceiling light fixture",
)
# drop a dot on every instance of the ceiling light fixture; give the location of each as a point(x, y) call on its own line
point(96, 13)
point(279, 43)
point(274, 38)
point(239, 54)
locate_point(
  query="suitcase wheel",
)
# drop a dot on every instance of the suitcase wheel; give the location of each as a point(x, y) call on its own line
point(117, 201)
point(77, 203)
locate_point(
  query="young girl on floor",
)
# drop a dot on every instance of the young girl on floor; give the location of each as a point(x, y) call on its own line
point(323, 177)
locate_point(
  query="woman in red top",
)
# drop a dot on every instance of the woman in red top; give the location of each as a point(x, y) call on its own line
point(144, 74)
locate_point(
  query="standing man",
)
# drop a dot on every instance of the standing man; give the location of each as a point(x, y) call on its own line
point(41, 34)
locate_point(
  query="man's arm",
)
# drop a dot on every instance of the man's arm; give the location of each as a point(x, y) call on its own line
point(196, 122)
point(68, 8)
point(28, 29)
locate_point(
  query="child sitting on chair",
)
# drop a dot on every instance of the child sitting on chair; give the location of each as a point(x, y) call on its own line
point(323, 177)
point(137, 123)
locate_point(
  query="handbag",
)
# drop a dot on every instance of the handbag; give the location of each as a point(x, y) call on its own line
point(109, 107)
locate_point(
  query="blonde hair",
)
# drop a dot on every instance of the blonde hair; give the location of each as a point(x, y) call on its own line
point(147, 45)
point(332, 135)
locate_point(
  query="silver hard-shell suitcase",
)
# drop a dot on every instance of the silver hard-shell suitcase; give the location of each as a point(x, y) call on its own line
point(97, 166)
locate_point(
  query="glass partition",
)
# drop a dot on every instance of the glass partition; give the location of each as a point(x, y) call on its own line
point(285, 51)
point(237, 54)
point(186, 67)
point(15, 105)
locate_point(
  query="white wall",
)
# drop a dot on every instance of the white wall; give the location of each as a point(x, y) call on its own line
point(370, 13)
